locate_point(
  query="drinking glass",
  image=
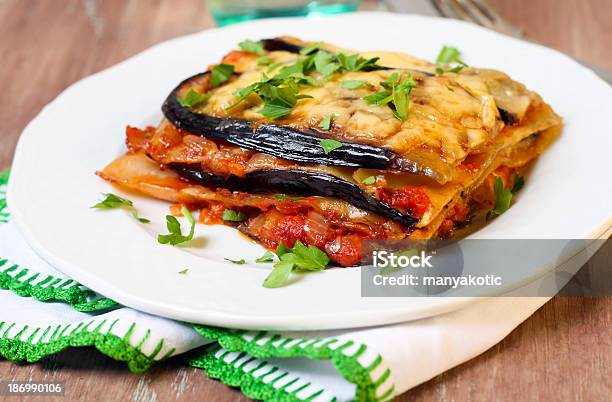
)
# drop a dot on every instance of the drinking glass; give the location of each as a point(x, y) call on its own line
point(227, 12)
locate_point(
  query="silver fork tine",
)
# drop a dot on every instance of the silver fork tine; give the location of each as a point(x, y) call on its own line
point(460, 10)
point(499, 23)
point(441, 7)
point(478, 15)
point(486, 8)
point(478, 12)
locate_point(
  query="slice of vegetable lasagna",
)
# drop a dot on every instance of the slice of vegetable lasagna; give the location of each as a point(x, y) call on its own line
point(311, 143)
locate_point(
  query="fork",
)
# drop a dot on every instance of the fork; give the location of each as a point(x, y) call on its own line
point(481, 13)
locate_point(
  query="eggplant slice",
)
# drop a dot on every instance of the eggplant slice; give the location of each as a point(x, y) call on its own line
point(295, 182)
point(279, 141)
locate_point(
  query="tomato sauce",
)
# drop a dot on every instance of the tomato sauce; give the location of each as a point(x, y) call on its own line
point(408, 198)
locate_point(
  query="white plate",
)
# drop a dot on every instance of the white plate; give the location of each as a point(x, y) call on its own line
point(568, 195)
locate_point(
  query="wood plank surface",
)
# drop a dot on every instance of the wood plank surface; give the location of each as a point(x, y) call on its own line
point(563, 352)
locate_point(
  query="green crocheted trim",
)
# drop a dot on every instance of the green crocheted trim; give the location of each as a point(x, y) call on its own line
point(113, 346)
point(4, 214)
point(232, 373)
point(320, 349)
point(51, 289)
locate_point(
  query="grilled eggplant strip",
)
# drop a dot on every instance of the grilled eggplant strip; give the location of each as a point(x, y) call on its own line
point(278, 44)
point(298, 183)
point(282, 142)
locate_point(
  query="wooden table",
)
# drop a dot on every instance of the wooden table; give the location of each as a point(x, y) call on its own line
point(563, 352)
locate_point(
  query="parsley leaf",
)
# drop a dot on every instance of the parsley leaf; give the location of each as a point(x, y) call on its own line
point(329, 145)
point(369, 180)
point(267, 257)
point(250, 46)
point(220, 73)
point(447, 56)
point(184, 271)
point(307, 258)
point(113, 201)
point(354, 62)
point(174, 227)
point(233, 216)
point(518, 182)
point(378, 98)
point(264, 61)
point(325, 123)
point(503, 197)
point(193, 98)
point(281, 249)
point(310, 48)
point(401, 97)
point(355, 84)
point(274, 112)
point(279, 275)
point(237, 262)
point(397, 94)
point(325, 63)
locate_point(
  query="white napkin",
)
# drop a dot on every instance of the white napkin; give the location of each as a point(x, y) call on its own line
point(360, 364)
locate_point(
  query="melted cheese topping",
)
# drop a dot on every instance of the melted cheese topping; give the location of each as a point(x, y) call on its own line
point(450, 116)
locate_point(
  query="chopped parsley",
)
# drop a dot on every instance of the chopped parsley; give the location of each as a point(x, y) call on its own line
point(279, 276)
point(281, 249)
point(264, 61)
point(273, 112)
point(378, 98)
point(369, 180)
point(220, 73)
point(113, 201)
point(193, 98)
point(448, 55)
point(300, 257)
point(355, 84)
point(326, 122)
point(503, 197)
point(451, 58)
point(280, 92)
point(233, 216)
point(354, 62)
point(396, 94)
point(255, 47)
point(267, 257)
point(174, 227)
point(184, 271)
point(310, 48)
point(325, 64)
point(329, 145)
point(237, 262)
